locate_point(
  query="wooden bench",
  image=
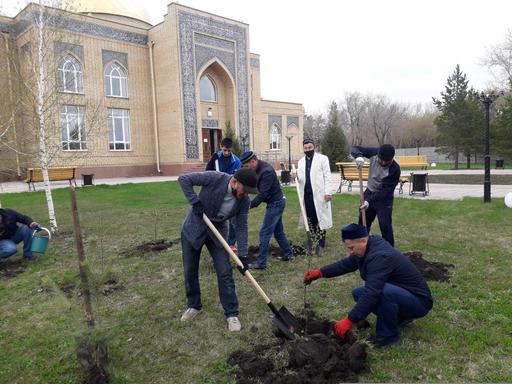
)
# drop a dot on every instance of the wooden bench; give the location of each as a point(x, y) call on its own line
point(35, 175)
point(349, 173)
point(412, 161)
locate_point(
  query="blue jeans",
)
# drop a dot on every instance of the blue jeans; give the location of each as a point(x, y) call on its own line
point(395, 306)
point(8, 246)
point(273, 224)
point(223, 268)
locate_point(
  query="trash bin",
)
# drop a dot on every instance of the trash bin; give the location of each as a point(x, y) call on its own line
point(419, 183)
point(285, 177)
point(87, 179)
point(499, 164)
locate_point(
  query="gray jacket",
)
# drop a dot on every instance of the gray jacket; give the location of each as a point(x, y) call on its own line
point(214, 187)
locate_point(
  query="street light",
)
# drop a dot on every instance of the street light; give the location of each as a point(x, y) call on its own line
point(418, 145)
point(244, 138)
point(289, 152)
point(487, 99)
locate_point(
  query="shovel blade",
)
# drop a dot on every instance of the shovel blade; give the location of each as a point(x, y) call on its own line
point(287, 323)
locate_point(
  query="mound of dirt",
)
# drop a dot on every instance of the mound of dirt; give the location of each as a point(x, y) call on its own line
point(274, 251)
point(319, 356)
point(433, 271)
point(149, 247)
point(10, 269)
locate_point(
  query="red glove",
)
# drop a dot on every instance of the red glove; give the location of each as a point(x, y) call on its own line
point(311, 275)
point(342, 327)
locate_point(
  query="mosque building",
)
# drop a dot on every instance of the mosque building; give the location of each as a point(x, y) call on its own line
point(136, 99)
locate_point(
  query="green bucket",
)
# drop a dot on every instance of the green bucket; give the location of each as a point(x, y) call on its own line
point(40, 243)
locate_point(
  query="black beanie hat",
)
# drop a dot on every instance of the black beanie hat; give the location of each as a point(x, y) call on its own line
point(248, 178)
point(353, 231)
point(386, 152)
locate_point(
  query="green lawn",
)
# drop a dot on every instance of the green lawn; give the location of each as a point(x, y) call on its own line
point(470, 179)
point(467, 337)
point(462, 165)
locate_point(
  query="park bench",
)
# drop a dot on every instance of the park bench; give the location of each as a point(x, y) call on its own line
point(412, 161)
point(349, 174)
point(35, 175)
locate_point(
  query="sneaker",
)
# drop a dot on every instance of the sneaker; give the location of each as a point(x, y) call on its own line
point(282, 258)
point(190, 314)
point(385, 342)
point(234, 324)
point(256, 266)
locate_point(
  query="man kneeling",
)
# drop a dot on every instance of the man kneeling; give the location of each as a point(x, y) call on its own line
point(394, 290)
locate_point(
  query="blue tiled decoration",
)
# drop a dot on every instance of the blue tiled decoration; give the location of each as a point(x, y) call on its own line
point(210, 123)
point(274, 119)
point(255, 62)
point(292, 120)
point(108, 56)
point(201, 40)
point(60, 49)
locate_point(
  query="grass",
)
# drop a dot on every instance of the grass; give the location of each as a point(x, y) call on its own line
point(462, 166)
point(467, 337)
point(469, 179)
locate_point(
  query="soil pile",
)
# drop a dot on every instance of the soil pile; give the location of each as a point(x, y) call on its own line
point(93, 361)
point(151, 246)
point(433, 271)
point(274, 251)
point(10, 269)
point(318, 357)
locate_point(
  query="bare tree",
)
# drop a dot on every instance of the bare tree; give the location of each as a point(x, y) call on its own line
point(354, 115)
point(499, 62)
point(383, 116)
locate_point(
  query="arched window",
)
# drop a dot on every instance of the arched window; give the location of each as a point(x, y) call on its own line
point(275, 137)
point(116, 82)
point(70, 75)
point(208, 90)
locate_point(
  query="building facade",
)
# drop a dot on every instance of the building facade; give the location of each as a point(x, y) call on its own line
point(133, 99)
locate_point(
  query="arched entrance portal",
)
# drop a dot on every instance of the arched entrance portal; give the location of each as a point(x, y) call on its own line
point(217, 106)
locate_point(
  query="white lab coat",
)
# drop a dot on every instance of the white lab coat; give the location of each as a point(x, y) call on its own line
point(321, 183)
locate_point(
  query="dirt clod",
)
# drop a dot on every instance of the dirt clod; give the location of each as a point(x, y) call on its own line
point(149, 247)
point(10, 269)
point(93, 361)
point(433, 271)
point(317, 357)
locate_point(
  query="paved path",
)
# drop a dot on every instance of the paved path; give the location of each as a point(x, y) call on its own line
point(437, 191)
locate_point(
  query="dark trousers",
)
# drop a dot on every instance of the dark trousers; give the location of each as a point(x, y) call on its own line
point(315, 230)
point(396, 305)
point(231, 232)
point(223, 268)
point(383, 211)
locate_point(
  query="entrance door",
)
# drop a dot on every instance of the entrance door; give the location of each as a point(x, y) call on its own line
point(211, 142)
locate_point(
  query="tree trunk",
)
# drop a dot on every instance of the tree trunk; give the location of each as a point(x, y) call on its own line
point(456, 159)
point(43, 150)
point(468, 161)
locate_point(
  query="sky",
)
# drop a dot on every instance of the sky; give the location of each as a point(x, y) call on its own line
point(312, 52)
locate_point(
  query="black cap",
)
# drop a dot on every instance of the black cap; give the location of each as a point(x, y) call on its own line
point(248, 178)
point(386, 152)
point(353, 231)
point(308, 141)
point(246, 156)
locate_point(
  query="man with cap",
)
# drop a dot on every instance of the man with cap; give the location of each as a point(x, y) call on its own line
point(394, 290)
point(224, 160)
point(270, 193)
point(383, 177)
point(314, 175)
point(221, 198)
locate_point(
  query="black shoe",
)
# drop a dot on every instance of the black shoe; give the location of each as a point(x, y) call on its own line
point(30, 257)
point(282, 258)
point(256, 266)
point(385, 342)
point(404, 322)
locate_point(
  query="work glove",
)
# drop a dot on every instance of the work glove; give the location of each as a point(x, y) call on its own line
point(342, 327)
point(360, 161)
point(365, 205)
point(311, 275)
point(198, 208)
point(35, 226)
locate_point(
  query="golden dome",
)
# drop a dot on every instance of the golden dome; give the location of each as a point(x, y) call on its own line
point(129, 8)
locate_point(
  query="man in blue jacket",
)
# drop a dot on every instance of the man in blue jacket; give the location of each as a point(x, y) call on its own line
point(394, 290)
point(11, 233)
point(383, 177)
point(221, 198)
point(224, 160)
point(269, 192)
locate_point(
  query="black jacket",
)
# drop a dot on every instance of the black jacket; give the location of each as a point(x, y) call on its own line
point(268, 185)
point(381, 264)
point(9, 226)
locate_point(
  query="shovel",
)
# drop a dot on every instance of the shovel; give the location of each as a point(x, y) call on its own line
point(285, 321)
point(361, 194)
point(303, 211)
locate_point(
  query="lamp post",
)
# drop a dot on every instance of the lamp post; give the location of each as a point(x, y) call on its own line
point(418, 145)
point(244, 138)
point(487, 99)
point(289, 152)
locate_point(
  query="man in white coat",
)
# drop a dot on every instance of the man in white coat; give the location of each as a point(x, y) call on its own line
point(314, 175)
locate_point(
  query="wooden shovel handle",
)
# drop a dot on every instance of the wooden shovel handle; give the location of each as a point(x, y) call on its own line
point(235, 258)
point(361, 194)
point(301, 202)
